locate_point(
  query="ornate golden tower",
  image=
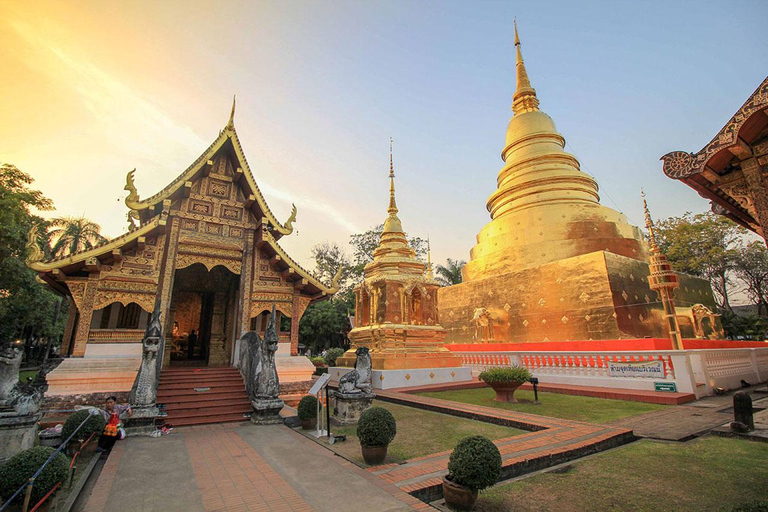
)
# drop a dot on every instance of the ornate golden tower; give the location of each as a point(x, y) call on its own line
point(664, 281)
point(396, 306)
point(553, 264)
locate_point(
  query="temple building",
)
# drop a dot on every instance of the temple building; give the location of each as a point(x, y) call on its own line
point(205, 248)
point(730, 171)
point(553, 264)
point(396, 315)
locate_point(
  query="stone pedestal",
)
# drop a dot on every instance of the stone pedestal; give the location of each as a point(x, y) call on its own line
point(17, 433)
point(348, 407)
point(266, 411)
point(142, 421)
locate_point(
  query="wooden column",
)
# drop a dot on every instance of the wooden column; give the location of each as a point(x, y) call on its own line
point(67, 338)
point(165, 286)
point(86, 313)
point(757, 191)
point(246, 285)
point(300, 305)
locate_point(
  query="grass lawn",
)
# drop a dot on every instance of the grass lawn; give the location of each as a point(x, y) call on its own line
point(30, 373)
point(711, 473)
point(419, 433)
point(571, 407)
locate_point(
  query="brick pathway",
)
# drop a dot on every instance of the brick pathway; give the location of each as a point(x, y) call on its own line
point(233, 467)
point(552, 441)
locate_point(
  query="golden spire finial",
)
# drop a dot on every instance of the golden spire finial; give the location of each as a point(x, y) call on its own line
point(649, 225)
point(231, 122)
point(392, 205)
point(430, 274)
point(524, 99)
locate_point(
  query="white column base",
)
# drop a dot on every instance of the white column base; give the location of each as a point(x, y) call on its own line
point(389, 379)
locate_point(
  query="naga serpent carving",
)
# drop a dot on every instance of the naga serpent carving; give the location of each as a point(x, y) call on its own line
point(132, 201)
point(287, 228)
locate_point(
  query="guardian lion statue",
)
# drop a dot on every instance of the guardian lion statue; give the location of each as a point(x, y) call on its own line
point(359, 379)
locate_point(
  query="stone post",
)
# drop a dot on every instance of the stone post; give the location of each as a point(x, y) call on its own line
point(743, 420)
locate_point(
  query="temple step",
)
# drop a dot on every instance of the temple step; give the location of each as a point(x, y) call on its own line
point(224, 418)
point(196, 396)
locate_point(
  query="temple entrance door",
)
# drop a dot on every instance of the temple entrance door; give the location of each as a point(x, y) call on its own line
point(202, 313)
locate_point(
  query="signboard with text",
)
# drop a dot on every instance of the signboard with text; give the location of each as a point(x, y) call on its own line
point(665, 386)
point(644, 369)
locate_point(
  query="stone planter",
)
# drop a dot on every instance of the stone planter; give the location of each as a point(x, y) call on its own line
point(505, 391)
point(309, 424)
point(457, 497)
point(374, 455)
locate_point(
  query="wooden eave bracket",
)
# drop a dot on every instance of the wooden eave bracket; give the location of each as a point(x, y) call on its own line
point(117, 255)
point(300, 283)
point(207, 167)
point(141, 242)
point(187, 188)
point(741, 149)
point(250, 200)
point(92, 264)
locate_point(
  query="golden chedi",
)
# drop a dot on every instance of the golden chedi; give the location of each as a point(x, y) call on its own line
point(553, 264)
point(396, 314)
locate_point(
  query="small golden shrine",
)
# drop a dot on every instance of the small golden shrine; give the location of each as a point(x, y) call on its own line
point(396, 306)
point(553, 264)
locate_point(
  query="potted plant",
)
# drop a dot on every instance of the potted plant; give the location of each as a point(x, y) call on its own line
point(308, 412)
point(474, 465)
point(505, 381)
point(375, 430)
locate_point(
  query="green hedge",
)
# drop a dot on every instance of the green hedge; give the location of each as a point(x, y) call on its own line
point(377, 427)
point(317, 360)
point(332, 354)
point(95, 425)
point(307, 407)
point(505, 375)
point(475, 463)
point(21, 466)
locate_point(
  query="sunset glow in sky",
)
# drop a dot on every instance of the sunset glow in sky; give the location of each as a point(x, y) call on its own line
point(91, 90)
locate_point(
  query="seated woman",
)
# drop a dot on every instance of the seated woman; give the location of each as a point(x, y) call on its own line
point(112, 413)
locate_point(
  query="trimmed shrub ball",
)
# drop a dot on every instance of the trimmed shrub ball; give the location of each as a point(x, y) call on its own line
point(505, 375)
point(475, 463)
point(377, 427)
point(332, 354)
point(95, 425)
point(21, 466)
point(307, 407)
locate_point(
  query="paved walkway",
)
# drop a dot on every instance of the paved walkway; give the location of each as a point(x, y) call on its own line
point(687, 421)
point(238, 467)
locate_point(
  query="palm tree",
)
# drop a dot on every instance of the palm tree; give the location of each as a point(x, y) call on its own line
point(450, 273)
point(74, 234)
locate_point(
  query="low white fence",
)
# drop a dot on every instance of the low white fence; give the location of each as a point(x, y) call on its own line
point(691, 371)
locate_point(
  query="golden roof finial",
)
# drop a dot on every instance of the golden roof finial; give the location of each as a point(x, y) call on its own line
point(231, 122)
point(430, 274)
point(649, 225)
point(524, 99)
point(392, 205)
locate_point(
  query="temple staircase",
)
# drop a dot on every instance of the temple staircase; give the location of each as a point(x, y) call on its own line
point(197, 396)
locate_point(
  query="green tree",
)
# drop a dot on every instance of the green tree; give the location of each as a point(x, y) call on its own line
point(26, 306)
point(324, 325)
point(450, 273)
point(704, 245)
point(751, 266)
point(329, 257)
point(74, 234)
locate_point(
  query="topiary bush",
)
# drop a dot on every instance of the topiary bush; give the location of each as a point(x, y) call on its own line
point(505, 375)
point(21, 466)
point(376, 427)
point(95, 425)
point(307, 407)
point(332, 354)
point(475, 463)
point(317, 360)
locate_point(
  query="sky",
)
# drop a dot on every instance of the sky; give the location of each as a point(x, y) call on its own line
point(91, 90)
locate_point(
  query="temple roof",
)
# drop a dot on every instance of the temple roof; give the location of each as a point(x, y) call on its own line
point(713, 171)
point(227, 136)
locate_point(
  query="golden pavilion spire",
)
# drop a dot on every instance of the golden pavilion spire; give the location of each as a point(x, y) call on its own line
point(524, 99)
point(430, 274)
point(392, 204)
point(649, 225)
